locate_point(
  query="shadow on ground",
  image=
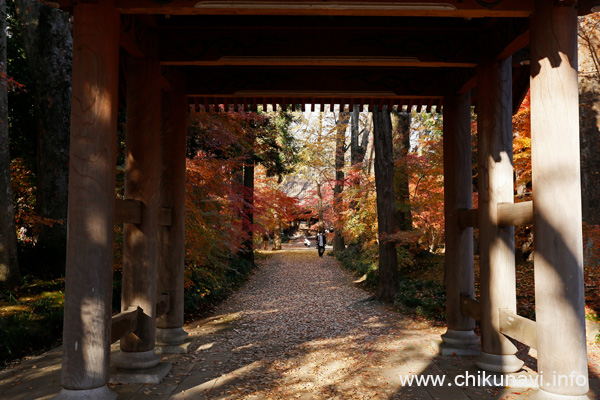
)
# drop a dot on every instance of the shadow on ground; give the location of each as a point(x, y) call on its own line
point(298, 329)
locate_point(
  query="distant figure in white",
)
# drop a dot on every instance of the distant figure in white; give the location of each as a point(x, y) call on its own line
point(306, 242)
point(321, 241)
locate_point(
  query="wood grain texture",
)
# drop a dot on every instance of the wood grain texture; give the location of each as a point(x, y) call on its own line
point(496, 244)
point(88, 292)
point(458, 194)
point(519, 328)
point(171, 256)
point(470, 307)
point(124, 323)
point(558, 253)
point(142, 178)
point(165, 216)
point(128, 211)
point(515, 214)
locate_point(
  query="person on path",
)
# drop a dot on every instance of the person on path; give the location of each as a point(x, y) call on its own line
point(306, 242)
point(321, 242)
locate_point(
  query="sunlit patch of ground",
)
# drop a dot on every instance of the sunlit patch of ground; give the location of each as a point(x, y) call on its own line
point(300, 329)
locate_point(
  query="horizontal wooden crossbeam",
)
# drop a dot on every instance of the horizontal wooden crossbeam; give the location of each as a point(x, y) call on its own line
point(415, 8)
point(418, 8)
point(361, 45)
point(312, 82)
point(470, 307)
point(515, 214)
point(519, 328)
point(128, 211)
point(124, 323)
point(509, 214)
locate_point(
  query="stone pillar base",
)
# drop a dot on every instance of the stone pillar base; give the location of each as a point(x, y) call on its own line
point(543, 395)
point(458, 343)
point(445, 349)
point(460, 338)
point(101, 393)
point(170, 336)
point(152, 375)
point(505, 363)
point(182, 348)
point(135, 360)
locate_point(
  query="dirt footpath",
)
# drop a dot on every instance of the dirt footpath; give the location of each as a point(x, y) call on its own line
point(298, 329)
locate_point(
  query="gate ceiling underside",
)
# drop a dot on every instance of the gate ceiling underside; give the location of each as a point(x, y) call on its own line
point(394, 53)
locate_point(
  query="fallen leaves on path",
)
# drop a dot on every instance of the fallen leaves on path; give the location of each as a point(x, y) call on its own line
point(306, 331)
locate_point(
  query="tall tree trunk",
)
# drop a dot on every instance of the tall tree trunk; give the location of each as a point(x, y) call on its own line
point(340, 151)
point(320, 225)
point(370, 150)
point(247, 250)
point(386, 208)
point(9, 266)
point(277, 234)
point(589, 109)
point(277, 238)
point(401, 140)
point(49, 46)
point(358, 148)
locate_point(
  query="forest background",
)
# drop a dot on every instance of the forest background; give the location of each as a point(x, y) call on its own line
point(244, 172)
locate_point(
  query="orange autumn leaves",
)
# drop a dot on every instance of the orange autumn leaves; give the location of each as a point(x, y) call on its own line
point(219, 146)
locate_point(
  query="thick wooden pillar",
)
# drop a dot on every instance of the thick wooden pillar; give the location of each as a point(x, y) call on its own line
point(171, 256)
point(458, 195)
point(559, 296)
point(142, 179)
point(86, 337)
point(496, 244)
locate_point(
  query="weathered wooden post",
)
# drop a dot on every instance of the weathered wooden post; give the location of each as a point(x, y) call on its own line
point(171, 257)
point(142, 178)
point(559, 296)
point(88, 293)
point(496, 244)
point(458, 195)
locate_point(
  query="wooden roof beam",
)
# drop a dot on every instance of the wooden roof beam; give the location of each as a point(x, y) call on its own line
point(416, 8)
point(260, 46)
point(343, 82)
point(464, 9)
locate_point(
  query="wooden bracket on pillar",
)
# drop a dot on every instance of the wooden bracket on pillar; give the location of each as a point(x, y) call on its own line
point(128, 211)
point(165, 216)
point(124, 323)
point(468, 218)
point(470, 307)
point(163, 304)
point(519, 328)
point(515, 214)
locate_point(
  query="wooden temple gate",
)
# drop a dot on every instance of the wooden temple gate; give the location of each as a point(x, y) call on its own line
point(162, 56)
